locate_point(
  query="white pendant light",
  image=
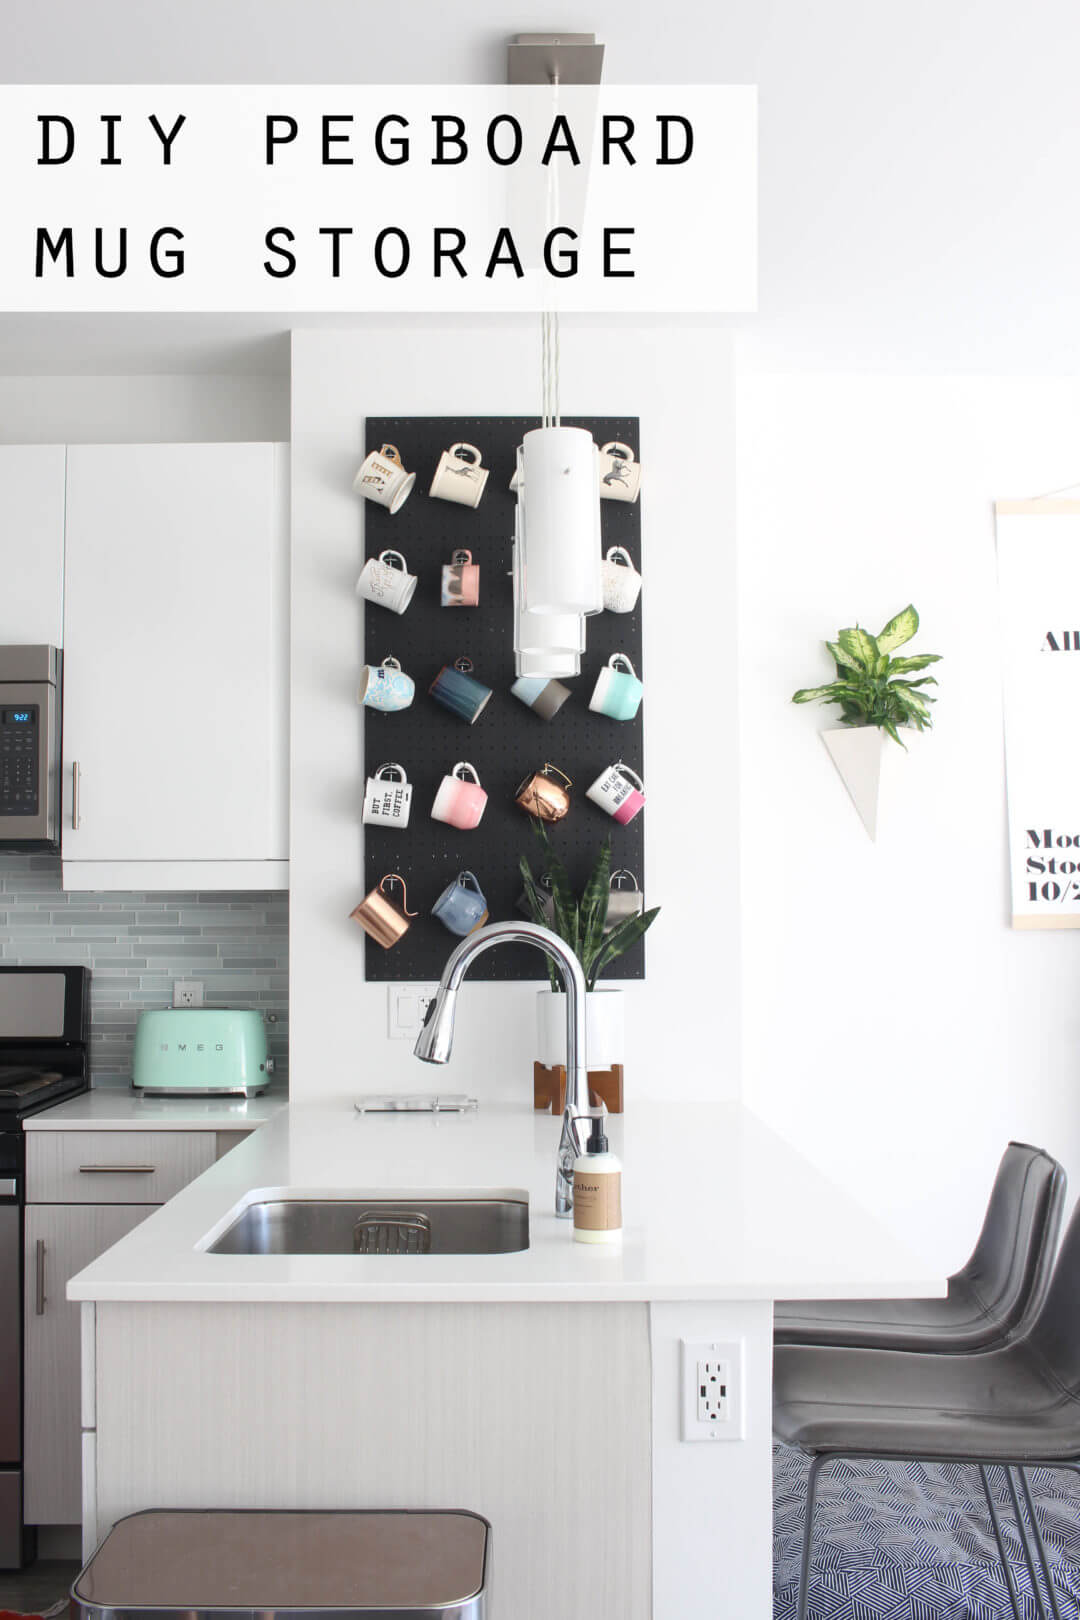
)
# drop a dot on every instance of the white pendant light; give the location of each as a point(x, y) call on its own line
point(560, 498)
point(545, 644)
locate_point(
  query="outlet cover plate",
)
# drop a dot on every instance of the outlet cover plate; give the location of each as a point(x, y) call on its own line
point(187, 993)
point(713, 1389)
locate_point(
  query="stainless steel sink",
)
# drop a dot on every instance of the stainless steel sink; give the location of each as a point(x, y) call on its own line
point(379, 1226)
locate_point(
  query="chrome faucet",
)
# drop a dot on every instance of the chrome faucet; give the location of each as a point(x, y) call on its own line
point(436, 1039)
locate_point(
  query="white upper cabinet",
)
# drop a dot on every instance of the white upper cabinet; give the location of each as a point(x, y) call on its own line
point(31, 544)
point(175, 737)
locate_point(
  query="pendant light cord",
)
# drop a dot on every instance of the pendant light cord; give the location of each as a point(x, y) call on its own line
point(549, 320)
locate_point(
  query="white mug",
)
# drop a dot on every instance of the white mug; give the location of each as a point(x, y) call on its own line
point(459, 476)
point(623, 903)
point(620, 791)
point(383, 479)
point(621, 580)
point(386, 583)
point(620, 474)
point(387, 801)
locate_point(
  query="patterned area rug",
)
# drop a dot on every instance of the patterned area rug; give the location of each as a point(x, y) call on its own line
point(900, 1541)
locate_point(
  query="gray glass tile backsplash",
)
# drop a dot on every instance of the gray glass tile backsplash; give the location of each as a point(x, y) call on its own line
point(235, 945)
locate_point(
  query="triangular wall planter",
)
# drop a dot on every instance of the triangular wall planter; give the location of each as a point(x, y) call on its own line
point(856, 753)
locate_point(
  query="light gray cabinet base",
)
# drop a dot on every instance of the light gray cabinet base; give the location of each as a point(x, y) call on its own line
point(536, 1416)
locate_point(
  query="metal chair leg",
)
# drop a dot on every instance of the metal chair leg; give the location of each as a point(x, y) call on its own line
point(1006, 1567)
point(1039, 1542)
point(1025, 1547)
point(816, 1465)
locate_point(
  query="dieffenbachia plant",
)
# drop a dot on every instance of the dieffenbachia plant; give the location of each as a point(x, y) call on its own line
point(870, 684)
point(579, 920)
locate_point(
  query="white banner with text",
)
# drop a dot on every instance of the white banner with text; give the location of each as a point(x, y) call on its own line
point(628, 198)
point(1038, 548)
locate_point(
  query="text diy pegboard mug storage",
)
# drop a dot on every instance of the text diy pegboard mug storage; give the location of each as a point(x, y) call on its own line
point(445, 142)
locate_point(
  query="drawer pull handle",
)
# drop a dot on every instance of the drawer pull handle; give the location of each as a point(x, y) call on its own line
point(117, 1169)
point(39, 1278)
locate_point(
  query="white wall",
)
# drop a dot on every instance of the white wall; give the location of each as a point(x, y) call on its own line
point(142, 409)
point(895, 1027)
point(683, 1023)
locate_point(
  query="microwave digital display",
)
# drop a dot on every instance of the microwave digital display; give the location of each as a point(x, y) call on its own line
point(17, 717)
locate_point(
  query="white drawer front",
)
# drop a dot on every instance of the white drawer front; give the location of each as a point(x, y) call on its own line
point(113, 1167)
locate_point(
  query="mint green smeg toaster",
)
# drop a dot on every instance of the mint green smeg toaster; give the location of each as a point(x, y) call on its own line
point(200, 1052)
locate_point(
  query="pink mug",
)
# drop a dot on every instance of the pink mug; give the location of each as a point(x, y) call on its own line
point(460, 802)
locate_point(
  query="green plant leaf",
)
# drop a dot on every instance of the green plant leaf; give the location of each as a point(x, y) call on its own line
point(620, 939)
point(562, 892)
point(860, 646)
point(592, 908)
point(907, 666)
point(842, 659)
point(899, 630)
point(808, 694)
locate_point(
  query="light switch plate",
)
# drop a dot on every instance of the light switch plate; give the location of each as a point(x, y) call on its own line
point(406, 1009)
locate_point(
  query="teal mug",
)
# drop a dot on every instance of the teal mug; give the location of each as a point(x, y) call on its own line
point(617, 692)
point(457, 689)
point(461, 907)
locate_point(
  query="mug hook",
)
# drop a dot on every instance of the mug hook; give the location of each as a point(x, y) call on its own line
point(465, 665)
point(396, 877)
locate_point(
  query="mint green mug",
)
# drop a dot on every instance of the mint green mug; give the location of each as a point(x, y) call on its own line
point(617, 692)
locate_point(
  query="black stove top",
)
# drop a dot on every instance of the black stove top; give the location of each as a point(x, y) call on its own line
point(25, 1090)
point(44, 1039)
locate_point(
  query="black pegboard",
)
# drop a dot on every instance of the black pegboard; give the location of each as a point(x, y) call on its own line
point(508, 741)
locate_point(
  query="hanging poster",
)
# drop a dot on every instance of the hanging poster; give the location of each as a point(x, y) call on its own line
point(1038, 548)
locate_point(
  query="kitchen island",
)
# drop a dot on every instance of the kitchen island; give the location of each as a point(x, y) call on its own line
point(542, 1388)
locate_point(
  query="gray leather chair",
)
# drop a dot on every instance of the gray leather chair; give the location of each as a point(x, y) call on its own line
point(995, 1294)
point(1013, 1407)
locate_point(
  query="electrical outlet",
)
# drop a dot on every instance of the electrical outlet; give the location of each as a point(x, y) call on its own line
point(187, 993)
point(406, 1009)
point(712, 1389)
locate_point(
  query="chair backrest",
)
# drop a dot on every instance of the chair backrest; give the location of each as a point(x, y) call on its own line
point(1011, 1264)
point(1056, 1333)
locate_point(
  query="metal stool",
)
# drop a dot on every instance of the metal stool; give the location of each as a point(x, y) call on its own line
point(1014, 1407)
point(374, 1565)
point(996, 1293)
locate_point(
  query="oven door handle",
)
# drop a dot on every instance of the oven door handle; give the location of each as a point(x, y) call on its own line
point(39, 1277)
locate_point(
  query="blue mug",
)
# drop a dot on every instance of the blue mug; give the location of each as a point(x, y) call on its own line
point(385, 686)
point(457, 690)
point(461, 907)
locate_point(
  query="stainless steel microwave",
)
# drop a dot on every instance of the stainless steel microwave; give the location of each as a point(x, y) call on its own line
point(29, 747)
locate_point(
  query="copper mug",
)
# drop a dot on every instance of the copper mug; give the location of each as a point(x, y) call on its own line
point(543, 797)
point(379, 916)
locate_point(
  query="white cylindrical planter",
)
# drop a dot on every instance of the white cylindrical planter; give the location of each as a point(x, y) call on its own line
point(605, 1034)
point(559, 528)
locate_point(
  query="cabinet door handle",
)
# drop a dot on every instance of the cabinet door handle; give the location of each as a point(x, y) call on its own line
point(39, 1278)
point(117, 1169)
point(75, 816)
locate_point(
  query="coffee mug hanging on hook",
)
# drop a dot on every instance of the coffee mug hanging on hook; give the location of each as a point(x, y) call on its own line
point(624, 901)
point(379, 917)
point(540, 795)
point(620, 474)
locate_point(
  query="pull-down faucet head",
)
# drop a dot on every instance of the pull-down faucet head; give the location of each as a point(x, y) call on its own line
point(435, 1041)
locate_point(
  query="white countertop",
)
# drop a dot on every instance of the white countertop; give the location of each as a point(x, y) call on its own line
point(110, 1108)
point(715, 1205)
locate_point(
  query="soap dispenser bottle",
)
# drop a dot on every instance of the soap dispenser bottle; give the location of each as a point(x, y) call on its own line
point(597, 1190)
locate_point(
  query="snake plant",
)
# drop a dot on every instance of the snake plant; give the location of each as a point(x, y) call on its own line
point(869, 684)
point(579, 919)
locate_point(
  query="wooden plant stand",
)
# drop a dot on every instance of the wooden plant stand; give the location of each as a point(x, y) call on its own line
point(549, 1088)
